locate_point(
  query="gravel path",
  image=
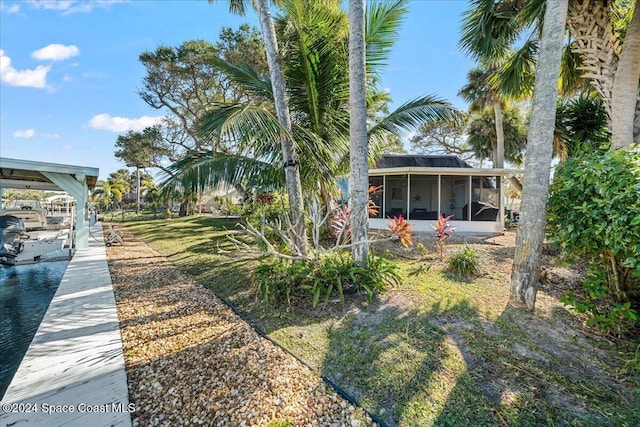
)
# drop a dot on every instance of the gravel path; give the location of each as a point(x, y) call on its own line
point(191, 361)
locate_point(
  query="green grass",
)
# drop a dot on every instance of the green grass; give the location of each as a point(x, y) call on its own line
point(442, 351)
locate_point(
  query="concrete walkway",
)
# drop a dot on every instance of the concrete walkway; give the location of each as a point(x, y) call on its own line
point(73, 373)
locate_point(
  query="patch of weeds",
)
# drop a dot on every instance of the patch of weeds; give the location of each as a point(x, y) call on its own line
point(279, 423)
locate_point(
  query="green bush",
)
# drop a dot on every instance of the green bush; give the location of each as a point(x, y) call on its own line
point(334, 274)
point(464, 262)
point(594, 213)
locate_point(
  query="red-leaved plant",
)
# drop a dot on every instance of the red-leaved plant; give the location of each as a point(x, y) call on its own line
point(443, 230)
point(399, 227)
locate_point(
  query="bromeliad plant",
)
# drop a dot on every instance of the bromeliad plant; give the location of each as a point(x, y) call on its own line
point(321, 271)
point(443, 230)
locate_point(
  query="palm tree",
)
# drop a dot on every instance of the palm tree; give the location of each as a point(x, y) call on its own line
point(108, 192)
point(290, 161)
point(491, 28)
point(358, 153)
point(627, 76)
point(481, 93)
point(315, 63)
point(530, 233)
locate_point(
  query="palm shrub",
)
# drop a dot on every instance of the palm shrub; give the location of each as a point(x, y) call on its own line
point(594, 213)
point(464, 262)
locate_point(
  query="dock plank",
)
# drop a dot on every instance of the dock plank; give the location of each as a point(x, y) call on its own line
point(73, 372)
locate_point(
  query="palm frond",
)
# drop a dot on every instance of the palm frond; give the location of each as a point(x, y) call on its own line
point(315, 59)
point(488, 29)
point(207, 170)
point(383, 20)
point(516, 76)
point(413, 113)
point(247, 77)
point(245, 125)
point(571, 80)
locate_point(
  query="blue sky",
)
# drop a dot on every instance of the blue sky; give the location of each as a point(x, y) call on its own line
point(70, 72)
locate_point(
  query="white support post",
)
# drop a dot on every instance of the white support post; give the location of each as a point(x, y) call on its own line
point(501, 202)
point(384, 195)
point(408, 194)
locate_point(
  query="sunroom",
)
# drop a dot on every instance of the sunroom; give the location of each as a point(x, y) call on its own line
point(421, 187)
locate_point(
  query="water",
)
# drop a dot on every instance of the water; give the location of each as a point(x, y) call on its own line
point(25, 294)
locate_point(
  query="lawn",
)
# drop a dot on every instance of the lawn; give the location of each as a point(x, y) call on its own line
point(438, 349)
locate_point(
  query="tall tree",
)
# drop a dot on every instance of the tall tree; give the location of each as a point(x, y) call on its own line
point(141, 150)
point(625, 85)
point(530, 233)
point(185, 80)
point(314, 37)
point(290, 165)
point(481, 93)
point(594, 51)
point(446, 137)
point(482, 133)
point(358, 141)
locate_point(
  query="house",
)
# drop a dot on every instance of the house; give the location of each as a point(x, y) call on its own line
point(420, 187)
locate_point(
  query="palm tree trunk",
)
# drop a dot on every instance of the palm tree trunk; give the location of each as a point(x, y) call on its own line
point(291, 170)
point(359, 167)
point(137, 190)
point(625, 86)
point(499, 159)
point(530, 234)
point(589, 21)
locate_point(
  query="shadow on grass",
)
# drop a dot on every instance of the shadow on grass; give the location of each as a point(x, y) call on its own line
point(419, 364)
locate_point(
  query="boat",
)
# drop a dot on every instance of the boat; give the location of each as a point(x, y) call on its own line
point(31, 212)
point(12, 234)
point(37, 236)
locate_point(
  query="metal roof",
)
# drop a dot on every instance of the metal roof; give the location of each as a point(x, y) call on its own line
point(26, 174)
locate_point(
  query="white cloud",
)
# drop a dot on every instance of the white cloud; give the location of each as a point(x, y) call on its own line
point(29, 133)
point(56, 52)
point(14, 8)
point(36, 78)
point(122, 124)
point(68, 7)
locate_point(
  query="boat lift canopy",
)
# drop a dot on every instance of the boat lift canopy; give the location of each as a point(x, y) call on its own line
point(75, 180)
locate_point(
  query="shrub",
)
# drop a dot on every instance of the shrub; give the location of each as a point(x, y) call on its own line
point(594, 213)
point(464, 262)
point(443, 230)
point(334, 274)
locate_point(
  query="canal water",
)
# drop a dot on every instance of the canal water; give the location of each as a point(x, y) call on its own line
point(25, 294)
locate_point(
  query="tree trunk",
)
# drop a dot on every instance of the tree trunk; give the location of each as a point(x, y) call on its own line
point(137, 190)
point(358, 152)
point(530, 234)
point(636, 123)
point(499, 158)
point(291, 170)
point(625, 86)
point(589, 21)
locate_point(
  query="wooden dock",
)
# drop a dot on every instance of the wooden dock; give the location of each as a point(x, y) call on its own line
point(73, 373)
